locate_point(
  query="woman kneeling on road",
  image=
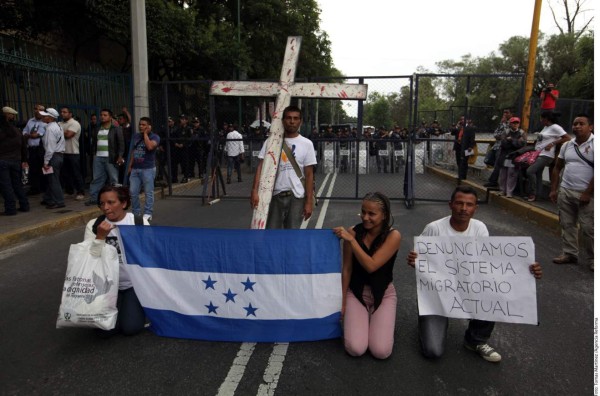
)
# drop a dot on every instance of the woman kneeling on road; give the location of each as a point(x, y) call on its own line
point(114, 201)
point(368, 294)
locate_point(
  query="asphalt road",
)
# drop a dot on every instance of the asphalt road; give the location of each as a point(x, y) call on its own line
point(36, 358)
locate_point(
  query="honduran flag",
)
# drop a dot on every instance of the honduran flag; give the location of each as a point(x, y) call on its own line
point(236, 285)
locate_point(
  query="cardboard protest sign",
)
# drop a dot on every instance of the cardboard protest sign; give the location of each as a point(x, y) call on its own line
point(484, 278)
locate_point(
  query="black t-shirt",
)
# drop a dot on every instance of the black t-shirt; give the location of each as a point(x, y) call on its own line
point(378, 280)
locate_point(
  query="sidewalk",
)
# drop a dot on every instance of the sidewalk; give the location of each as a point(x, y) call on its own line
point(542, 212)
point(40, 221)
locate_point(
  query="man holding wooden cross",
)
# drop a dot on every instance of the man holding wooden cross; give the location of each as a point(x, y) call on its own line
point(293, 196)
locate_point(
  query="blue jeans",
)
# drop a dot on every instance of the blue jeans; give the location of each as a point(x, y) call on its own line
point(138, 178)
point(54, 192)
point(131, 317)
point(10, 186)
point(102, 170)
point(231, 163)
point(433, 329)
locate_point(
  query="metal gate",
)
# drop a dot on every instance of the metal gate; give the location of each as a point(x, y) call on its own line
point(403, 157)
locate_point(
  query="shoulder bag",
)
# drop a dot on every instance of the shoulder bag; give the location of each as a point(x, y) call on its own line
point(294, 163)
point(526, 159)
point(587, 161)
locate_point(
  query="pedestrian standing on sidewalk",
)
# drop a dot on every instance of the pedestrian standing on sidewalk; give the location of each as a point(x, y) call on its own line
point(13, 158)
point(108, 146)
point(575, 197)
point(54, 145)
point(499, 133)
point(510, 143)
point(34, 132)
point(72, 167)
point(142, 168)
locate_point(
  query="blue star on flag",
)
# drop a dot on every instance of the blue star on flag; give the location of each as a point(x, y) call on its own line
point(229, 296)
point(212, 308)
point(250, 310)
point(248, 284)
point(209, 283)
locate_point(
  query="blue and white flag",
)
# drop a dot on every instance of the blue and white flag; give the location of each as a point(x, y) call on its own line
point(236, 285)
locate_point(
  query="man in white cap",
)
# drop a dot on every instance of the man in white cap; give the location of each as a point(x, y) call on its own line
point(54, 144)
point(10, 114)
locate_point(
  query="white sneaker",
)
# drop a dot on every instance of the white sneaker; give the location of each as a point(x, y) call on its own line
point(148, 218)
point(485, 351)
point(79, 197)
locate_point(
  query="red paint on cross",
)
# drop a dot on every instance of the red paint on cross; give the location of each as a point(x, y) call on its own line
point(227, 89)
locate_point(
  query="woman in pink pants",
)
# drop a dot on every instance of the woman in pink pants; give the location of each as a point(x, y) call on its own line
point(369, 297)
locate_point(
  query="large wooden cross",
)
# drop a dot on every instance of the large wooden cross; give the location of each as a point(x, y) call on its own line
point(283, 91)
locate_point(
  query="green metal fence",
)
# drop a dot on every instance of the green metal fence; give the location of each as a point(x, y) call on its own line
point(84, 93)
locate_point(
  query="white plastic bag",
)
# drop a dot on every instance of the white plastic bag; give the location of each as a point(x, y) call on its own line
point(90, 291)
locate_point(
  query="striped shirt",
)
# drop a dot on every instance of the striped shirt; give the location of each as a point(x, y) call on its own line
point(102, 145)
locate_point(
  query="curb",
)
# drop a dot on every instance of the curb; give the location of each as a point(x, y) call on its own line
point(524, 210)
point(79, 219)
point(20, 235)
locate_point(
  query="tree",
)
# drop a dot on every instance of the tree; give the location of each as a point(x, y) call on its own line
point(573, 9)
point(187, 39)
point(579, 83)
point(266, 24)
point(377, 110)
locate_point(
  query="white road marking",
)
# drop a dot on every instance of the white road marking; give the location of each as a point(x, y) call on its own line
point(273, 370)
point(305, 222)
point(14, 250)
point(275, 364)
point(236, 372)
point(325, 204)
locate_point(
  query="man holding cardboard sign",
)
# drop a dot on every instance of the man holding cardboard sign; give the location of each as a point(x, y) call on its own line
point(433, 328)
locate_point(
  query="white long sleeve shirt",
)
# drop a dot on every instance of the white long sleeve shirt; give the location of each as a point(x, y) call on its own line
point(233, 146)
point(54, 141)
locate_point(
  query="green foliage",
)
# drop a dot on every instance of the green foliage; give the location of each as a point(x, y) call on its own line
point(514, 55)
point(187, 39)
point(580, 82)
point(378, 110)
point(201, 39)
point(265, 26)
